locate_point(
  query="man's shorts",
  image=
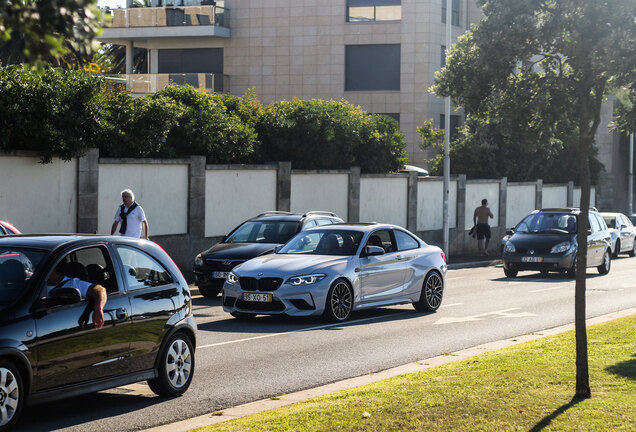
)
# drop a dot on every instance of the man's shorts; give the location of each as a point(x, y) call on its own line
point(483, 230)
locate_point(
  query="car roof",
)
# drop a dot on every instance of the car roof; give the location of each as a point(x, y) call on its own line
point(573, 210)
point(357, 226)
point(611, 214)
point(282, 216)
point(53, 241)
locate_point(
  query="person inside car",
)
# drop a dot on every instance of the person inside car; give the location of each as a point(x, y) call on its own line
point(94, 293)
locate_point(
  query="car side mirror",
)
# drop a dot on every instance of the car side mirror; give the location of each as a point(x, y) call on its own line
point(59, 297)
point(372, 251)
point(277, 248)
point(623, 227)
point(589, 231)
point(510, 232)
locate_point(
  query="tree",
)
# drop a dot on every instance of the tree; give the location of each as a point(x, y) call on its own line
point(581, 49)
point(34, 31)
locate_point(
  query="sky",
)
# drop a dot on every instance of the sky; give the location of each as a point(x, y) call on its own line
point(111, 3)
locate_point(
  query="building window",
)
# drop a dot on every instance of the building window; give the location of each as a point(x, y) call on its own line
point(374, 10)
point(372, 67)
point(454, 12)
point(394, 116)
point(443, 56)
point(455, 123)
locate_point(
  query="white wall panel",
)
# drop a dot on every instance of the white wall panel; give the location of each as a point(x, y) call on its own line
point(577, 196)
point(232, 196)
point(161, 190)
point(327, 192)
point(430, 205)
point(475, 192)
point(555, 196)
point(520, 201)
point(38, 198)
point(383, 200)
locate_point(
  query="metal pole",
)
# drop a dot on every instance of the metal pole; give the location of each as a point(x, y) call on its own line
point(630, 183)
point(447, 103)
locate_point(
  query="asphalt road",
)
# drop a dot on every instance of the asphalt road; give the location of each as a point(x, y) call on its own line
point(238, 362)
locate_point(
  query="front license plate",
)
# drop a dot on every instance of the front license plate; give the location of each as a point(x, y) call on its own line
point(266, 298)
point(219, 275)
point(531, 259)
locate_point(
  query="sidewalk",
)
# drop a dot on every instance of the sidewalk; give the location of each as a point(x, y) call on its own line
point(471, 261)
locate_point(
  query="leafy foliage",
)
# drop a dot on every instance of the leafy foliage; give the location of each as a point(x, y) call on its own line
point(320, 134)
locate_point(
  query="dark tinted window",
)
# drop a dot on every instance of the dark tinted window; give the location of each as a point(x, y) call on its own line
point(548, 222)
point(327, 242)
point(383, 239)
point(405, 241)
point(191, 60)
point(263, 232)
point(454, 12)
point(17, 267)
point(141, 270)
point(372, 67)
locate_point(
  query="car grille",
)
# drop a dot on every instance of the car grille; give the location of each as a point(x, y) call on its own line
point(222, 265)
point(275, 306)
point(537, 252)
point(264, 284)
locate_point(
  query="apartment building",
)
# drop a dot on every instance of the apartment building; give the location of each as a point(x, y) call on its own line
point(379, 54)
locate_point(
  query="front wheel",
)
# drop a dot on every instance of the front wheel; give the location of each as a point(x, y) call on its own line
point(604, 268)
point(510, 273)
point(243, 315)
point(176, 367)
point(209, 291)
point(339, 302)
point(11, 395)
point(432, 293)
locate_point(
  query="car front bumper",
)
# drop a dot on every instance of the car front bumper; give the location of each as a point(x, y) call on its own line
point(549, 262)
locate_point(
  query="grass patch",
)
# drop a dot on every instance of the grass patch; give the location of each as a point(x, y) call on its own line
point(527, 387)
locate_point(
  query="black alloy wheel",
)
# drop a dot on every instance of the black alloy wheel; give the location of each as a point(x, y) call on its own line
point(604, 268)
point(339, 302)
point(432, 293)
point(176, 367)
point(11, 395)
point(510, 273)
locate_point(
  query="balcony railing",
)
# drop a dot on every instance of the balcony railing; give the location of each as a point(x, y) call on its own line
point(170, 16)
point(152, 83)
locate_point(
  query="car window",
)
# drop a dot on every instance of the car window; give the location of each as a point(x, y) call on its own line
point(310, 223)
point(610, 221)
point(547, 222)
point(594, 225)
point(92, 265)
point(405, 241)
point(327, 242)
point(263, 232)
point(2, 231)
point(324, 222)
point(141, 270)
point(17, 267)
point(383, 239)
point(601, 223)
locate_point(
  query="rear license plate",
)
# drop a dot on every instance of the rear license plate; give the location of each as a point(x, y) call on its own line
point(219, 275)
point(531, 259)
point(266, 298)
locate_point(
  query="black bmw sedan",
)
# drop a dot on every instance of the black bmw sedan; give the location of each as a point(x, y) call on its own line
point(545, 241)
point(53, 345)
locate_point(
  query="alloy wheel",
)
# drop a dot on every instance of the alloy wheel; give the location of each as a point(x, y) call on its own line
point(341, 301)
point(9, 395)
point(179, 363)
point(434, 290)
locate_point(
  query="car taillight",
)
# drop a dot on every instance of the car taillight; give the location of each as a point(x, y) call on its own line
point(443, 256)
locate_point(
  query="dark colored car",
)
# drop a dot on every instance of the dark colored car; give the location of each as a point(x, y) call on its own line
point(254, 237)
point(545, 241)
point(7, 229)
point(48, 352)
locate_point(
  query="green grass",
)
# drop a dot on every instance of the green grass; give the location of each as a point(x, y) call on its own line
point(527, 387)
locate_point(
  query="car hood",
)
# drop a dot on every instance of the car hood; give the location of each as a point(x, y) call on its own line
point(292, 264)
point(535, 240)
point(237, 250)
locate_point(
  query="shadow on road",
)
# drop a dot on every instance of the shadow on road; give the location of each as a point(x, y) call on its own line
point(543, 278)
point(545, 422)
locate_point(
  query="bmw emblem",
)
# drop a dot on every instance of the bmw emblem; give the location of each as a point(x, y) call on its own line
point(227, 263)
point(531, 251)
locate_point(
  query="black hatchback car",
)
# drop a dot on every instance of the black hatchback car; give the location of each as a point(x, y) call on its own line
point(49, 346)
point(545, 241)
point(254, 237)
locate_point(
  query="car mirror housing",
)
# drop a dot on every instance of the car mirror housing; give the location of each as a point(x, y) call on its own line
point(510, 231)
point(372, 251)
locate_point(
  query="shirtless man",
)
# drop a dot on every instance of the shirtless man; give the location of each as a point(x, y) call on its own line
point(480, 219)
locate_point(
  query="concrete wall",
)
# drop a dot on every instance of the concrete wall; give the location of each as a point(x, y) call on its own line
point(320, 191)
point(233, 195)
point(160, 188)
point(430, 204)
point(39, 198)
point(384, 199)
point(476, 190)
point(519, 202)
point(555, 196)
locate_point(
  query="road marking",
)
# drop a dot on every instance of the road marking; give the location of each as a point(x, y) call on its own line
point(551, 288)
point(505, 313)
point(451, 305)
point(299, 330)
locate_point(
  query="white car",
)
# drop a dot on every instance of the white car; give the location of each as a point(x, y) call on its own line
point(623, 233)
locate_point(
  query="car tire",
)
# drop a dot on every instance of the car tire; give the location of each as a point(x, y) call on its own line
point(11, 395)
point(632, 252)
point(339, 302)
point(176, 367)
point(243, 315)
point(432, 293)
point(510, 273)
point(617, 249)
point(605, 266)
point(208, 291)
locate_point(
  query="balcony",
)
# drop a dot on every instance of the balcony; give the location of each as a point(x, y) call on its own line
point(167, 21)
point(151, 83)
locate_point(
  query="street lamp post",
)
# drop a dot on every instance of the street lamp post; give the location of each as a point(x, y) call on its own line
point(447, 131)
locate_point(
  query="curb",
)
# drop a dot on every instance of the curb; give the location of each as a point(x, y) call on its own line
point(259, 406)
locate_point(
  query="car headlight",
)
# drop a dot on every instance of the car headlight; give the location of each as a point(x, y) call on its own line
point(305, 279)
point(198, 261)
point(561, 247)
point(232, 278)
point(509, 247)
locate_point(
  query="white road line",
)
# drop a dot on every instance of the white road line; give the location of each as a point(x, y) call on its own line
point(299, 330)
point(451, 305)
point(551, 288)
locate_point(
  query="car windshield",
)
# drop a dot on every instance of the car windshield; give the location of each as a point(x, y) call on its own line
point(327, 242)
point(263, 232)
point(17, 266)
point(610, 221)
point(548, 223)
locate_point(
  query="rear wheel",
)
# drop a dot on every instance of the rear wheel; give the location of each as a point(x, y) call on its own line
point(11, 395)
point(432, 293)
point(617, 249)
point(176, 367)
point(632, 252)
point(209, 291)
point(339, 302)
point(510, 273)
point(604, 268)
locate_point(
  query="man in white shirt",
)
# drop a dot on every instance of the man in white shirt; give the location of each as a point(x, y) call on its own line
point(131, 216)
point(93, 292)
